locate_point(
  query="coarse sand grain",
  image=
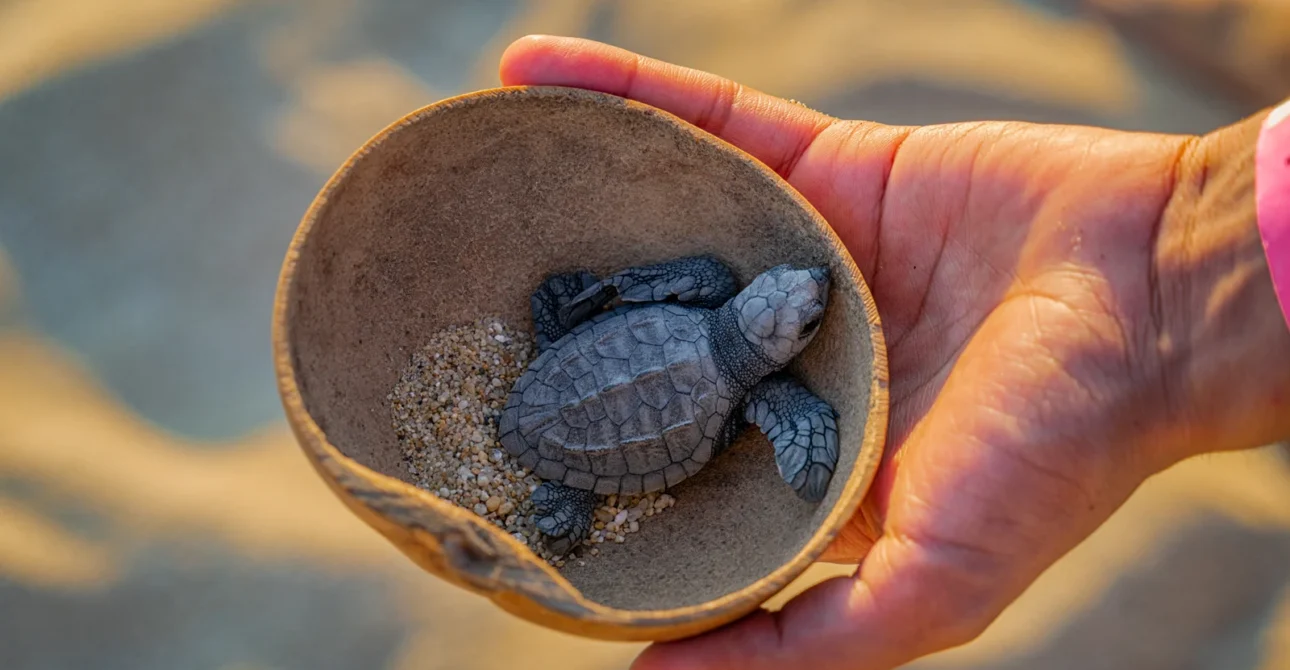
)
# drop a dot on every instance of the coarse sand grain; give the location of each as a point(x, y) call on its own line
point(445, 410)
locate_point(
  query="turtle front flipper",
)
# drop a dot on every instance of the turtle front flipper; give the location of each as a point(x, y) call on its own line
point(702, 281)
point(564, 515)
point(554, 293)
point(802, 428)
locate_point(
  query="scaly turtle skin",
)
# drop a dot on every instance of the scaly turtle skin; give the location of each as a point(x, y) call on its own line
point(646, 376)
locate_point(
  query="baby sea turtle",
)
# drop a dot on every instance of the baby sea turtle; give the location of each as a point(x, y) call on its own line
point(645, 376)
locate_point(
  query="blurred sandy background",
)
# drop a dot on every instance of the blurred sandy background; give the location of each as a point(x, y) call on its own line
point(156, 155)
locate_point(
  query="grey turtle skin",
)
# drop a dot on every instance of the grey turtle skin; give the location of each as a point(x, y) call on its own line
point(645, 376)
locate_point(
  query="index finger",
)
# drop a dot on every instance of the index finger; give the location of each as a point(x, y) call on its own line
point(775, 131)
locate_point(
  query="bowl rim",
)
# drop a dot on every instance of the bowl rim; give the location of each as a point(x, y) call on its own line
point(570, 612)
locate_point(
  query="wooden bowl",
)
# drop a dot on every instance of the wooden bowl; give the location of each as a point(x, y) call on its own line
point(458, 211)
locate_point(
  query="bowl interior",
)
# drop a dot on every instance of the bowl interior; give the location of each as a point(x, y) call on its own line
point(460, 212)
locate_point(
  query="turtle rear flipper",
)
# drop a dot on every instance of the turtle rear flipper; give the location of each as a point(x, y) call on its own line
point(554, 293)
point(564, 515)
point(802, 428)
point(701, 281)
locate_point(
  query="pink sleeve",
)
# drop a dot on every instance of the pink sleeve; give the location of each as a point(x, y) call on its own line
point(1272, 197)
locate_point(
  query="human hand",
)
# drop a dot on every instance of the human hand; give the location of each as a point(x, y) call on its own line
point(1068, 310)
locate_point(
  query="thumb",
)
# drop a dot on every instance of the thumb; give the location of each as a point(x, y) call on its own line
point(920, 589)
point(898, 606)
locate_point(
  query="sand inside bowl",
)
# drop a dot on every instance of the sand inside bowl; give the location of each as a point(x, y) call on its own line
point(445, 410)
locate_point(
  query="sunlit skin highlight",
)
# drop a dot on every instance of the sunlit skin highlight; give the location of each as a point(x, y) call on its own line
point(1068, 311)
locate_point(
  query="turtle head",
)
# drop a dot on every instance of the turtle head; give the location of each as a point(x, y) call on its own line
point(781, 310)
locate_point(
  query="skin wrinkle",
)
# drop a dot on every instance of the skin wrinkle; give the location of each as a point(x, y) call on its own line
point(919, 386)
point(1092, 395)
point(1081, 163)
point(947, 227)
point(1127, 369)
point(997, 132)
point(629, 76)
point(925, 633)
point(893, 185)
point(967, 454)
point(717, 114)
point(944, 331)
point(1045, 194)
point(1217, 243)
point(919, 512)
point(1011, 275)
point(911, 436)
point(1081, 314)
point(833, 194)
point(950, 328)
point(880, 207)
point(935, 263)
point(936, 267)
point(1022, 457)
point(1144, 332)
point(786, 167)
point(936, 544)
point(1015, 526)
point(941, 372)
point(1162, 335)
point(976, 610)
point(968, 590)
point(919, 309)
point(848, 143)
point(1054, 357)
point(982, 495)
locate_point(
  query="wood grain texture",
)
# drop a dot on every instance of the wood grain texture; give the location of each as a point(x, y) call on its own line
point(458, 211)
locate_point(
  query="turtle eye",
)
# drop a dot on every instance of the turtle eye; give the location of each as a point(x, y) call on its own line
point(809, 327)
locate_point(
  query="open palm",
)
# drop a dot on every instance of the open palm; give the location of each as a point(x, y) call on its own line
point(1014, 269)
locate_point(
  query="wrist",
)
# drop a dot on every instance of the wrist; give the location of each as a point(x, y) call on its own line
point(1223, 341)
point(1272, 197)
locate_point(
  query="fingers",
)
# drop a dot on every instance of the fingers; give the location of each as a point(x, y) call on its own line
point(775, 131)
point(841, 167)
point(903, 604)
